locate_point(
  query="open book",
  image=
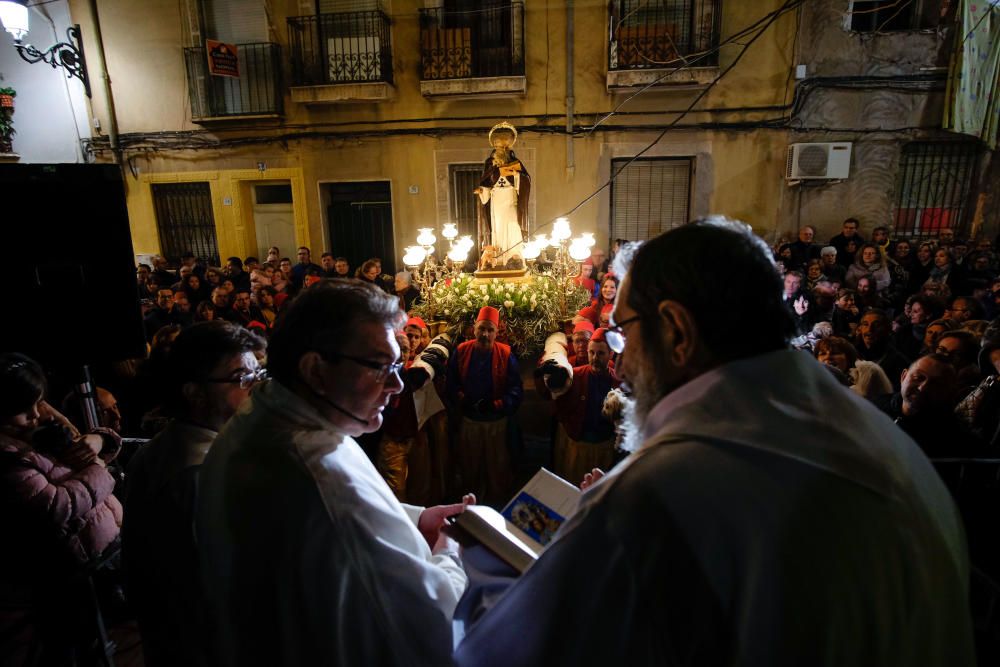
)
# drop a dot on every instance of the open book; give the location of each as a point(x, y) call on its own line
point(519, 533)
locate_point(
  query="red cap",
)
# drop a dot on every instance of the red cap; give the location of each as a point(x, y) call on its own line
point(599, 336)
point(255, 325)
point(489, 314)
point(311, 280)
point(590, 312)
point(583, 325)
point(588, 262)
point(415, 322)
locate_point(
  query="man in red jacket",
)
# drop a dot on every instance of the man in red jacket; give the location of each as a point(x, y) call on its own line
point(485, 384)
point(585, 438)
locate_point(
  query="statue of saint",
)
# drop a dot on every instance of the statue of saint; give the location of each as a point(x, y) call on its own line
point(503, 194)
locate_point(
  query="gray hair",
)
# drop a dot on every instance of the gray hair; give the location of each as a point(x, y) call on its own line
point(743, 285)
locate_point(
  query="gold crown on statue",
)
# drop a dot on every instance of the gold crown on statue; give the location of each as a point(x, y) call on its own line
point(503, 125)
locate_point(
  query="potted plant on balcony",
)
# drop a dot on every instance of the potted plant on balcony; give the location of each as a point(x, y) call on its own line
point(7, 96)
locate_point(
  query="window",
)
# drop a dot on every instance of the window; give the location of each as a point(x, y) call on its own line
point(257, 89)
point(469, 39)
point(462, 180)
point(934, 183)
point(235, 21)
point(895, 15)
point(649, 197)
point(185, 221)
point(273, 194)
point(650, 35)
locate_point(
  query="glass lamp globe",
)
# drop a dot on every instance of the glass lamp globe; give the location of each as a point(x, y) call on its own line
point(426, 236)
point(588, 239)
point(579, 251)
point(466, 242)
point(561, 229)
point(457, 254)
point(531, 250)
point(449, 231)
point(414, 256)
point(541, 240)
point(14, 17)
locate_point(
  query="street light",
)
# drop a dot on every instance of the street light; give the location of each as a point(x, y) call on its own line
point(68, 54)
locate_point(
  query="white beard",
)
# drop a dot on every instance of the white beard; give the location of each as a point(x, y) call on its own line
point(630, 427)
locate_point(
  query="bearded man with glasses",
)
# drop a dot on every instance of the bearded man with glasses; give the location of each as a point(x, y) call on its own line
point(755, 524)
point(307, 556)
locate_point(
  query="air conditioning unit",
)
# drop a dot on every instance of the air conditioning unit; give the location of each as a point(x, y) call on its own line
point(818, 161)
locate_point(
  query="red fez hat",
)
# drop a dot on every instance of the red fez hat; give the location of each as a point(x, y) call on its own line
point(489, 314)
point(415, 322)
point(598, 336)
point(590, 312)
point(583, 325)
point(588, 262)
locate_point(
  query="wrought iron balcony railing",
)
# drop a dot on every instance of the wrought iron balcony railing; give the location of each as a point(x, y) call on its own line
point(347, 47)
point(661, 35)
point(256, 92)
point(484, 42)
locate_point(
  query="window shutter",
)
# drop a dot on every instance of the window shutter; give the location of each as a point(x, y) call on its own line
point(649, 197)
point(336, 6)
point(236, 21)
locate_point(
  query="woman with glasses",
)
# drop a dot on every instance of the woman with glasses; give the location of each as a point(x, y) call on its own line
point(211, 368)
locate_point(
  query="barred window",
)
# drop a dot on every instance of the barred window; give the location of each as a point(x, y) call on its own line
point(656, 34)
point(185, 221)
point(933, 187)
point(893, 15)
point(649, 197)
point(463, 179)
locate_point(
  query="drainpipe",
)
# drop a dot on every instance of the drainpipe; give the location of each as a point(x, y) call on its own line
point(102, 72)
point(570, 100)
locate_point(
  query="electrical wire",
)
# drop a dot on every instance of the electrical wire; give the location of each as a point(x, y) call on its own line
point(204, 140)
point(687, 63)
point(739, 56)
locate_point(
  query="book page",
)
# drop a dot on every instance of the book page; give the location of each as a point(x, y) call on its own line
point(540, 508)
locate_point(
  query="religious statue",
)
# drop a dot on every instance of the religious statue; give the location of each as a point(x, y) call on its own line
point(503, 194)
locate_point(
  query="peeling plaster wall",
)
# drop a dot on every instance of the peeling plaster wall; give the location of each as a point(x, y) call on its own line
point(878, 120)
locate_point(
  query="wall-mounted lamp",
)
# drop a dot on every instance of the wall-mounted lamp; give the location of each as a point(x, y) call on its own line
point(68, 54)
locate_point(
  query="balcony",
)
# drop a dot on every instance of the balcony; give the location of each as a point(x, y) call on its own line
point(649, 40)
point(256, 93)
point(473, 52)
point(340, 57)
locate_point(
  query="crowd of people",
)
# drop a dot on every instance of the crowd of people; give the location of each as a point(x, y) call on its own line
point(906, 324)
point(310, 438)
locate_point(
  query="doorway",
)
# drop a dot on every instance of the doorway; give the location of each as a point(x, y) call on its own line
point(359, 219)
point(273, 218)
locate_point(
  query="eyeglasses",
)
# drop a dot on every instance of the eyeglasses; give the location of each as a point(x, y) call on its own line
point(615, 336)
point(245, 381)
point(382, 371)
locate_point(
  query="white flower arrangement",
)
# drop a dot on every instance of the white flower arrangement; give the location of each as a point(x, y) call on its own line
point(529, 311)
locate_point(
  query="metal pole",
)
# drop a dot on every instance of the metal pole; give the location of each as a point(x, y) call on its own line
point(570, 90)
point(102, 70)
